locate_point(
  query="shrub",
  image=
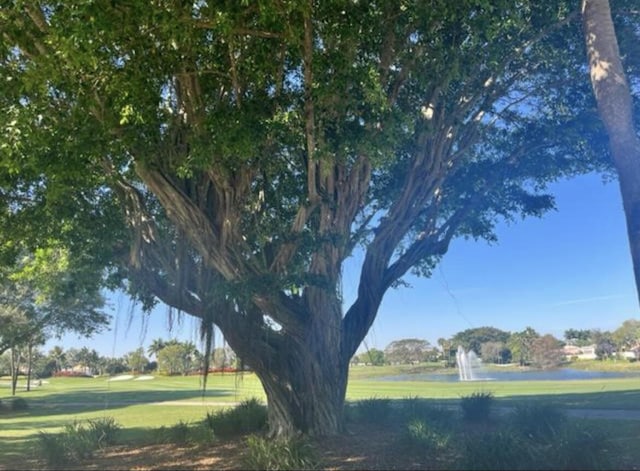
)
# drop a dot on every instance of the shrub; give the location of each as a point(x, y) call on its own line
point(104, 431)
point(581, 447)
point(77, 442)
point(417, 408)
point(71, 374)
point(248, 417)
point(425, 438)
point(51, 449)
point(279, 454)
point(373, 410)
point(178, 433)
point(19, 404)
point(498, 450)
point(538, 421)
point(477, 406)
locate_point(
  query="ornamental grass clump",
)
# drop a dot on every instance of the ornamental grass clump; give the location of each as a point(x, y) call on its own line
point(417, 408)
point(179, 433)
point(425, 438)
point(104, 431)
point(51, 448)
point(477, 406)
point(498, 450)
point(77, 442)
point(541, 422)
point(248, 417)
point(580, 446)
point(279, 454)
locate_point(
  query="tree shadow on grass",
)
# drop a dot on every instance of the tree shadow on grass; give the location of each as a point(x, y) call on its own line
point(626, 399)
point(80, 401)
point(629, 399)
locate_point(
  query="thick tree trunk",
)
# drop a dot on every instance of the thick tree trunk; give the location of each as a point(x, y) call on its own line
point(614, 100)
point(305, 377)
point(310, 401)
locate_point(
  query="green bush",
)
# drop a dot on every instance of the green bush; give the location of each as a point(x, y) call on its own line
point(77, 442)
point(279, 454)
point(422, 437)
point(51, 449)
point(477, 406)
point(569, 446)
point(372, 410)
point(498, 450)
point(417, 408)
point(104, 431)
point(578, 446)
point(178, 433)
point(248, 417)
point(538, 421)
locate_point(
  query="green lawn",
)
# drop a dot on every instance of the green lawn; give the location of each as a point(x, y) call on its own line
point(140, 406)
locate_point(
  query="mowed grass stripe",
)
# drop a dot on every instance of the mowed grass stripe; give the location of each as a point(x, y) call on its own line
point(135, 403)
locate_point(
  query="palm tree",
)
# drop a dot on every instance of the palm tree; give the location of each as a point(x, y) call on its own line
point(58, 356)
point(615, 106)
point(155, 347)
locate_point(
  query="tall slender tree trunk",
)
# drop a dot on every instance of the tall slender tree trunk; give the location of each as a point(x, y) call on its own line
point(29, 364)
point(15, 368)
point(614, 100)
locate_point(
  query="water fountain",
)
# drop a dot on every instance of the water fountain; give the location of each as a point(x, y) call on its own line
point(466, 362)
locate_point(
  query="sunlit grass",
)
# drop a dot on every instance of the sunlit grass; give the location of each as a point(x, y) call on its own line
point(613, 393)
point(142, 406)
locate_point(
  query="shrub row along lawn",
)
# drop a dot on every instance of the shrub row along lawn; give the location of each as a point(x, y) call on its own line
point(175, 409)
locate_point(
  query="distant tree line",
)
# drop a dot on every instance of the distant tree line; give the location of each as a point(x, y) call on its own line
point(526, 347)
point(170, 357)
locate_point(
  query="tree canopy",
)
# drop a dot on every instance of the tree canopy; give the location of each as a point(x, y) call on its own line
point(407, 351)
point(44, 294)
point(227, 159)
point(472, 339)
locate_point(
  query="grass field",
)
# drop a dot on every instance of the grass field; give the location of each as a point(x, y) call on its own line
point(140, 406)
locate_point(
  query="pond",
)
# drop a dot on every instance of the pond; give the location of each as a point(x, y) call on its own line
point(511, 375)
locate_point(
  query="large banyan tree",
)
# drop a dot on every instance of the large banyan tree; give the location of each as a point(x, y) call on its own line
point(232, 155)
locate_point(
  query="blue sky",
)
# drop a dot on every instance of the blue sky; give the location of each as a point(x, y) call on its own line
point(569, 269)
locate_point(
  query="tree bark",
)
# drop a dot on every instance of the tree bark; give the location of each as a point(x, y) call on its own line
point(29, 364)
point(15, 367)
point(614, 100)
point(304, 376)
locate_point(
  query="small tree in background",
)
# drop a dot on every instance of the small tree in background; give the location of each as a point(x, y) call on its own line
point(495, 352)
point(472, 339)
point(373, 356)
point(521, 345)
point(178, 358)
point(546, 352)
point(627, 336)
point(406, 351)
point(136, 361)
point(605, 344)
point(578, 337)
